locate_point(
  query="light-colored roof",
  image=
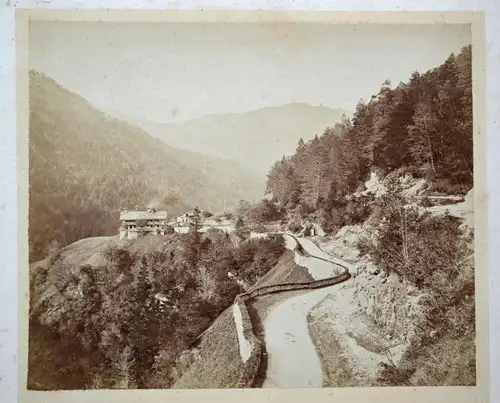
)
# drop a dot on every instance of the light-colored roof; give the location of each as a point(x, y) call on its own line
point(143, 215)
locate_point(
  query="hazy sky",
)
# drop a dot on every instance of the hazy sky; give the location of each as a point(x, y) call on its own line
point(168, 72)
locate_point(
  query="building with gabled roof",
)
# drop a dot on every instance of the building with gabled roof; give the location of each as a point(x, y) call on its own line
point(140, 223)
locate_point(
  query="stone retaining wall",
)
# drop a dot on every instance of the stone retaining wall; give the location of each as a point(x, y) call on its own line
point(252, 363)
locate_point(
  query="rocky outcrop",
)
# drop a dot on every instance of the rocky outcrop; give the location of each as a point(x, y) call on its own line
point(389, 301)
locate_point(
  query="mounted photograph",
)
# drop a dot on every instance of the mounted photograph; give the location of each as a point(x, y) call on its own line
point(221, 205)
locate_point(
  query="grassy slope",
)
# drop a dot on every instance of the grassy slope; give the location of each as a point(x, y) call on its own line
point(219, 364)
point(285, 271)
point(450, 362)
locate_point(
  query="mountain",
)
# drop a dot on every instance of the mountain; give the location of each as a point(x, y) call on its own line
point(86, 166)
point(255, 139)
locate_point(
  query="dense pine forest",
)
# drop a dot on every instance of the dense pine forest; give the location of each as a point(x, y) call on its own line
point(423, 127)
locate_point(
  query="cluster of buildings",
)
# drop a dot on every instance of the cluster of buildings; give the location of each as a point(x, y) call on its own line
point(134, 224)
point(151, 222)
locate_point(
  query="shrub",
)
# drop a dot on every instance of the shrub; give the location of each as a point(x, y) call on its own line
point(239, 223)
point(331, 221)
point(294, 225)
point(169, 230)
point(357, 210)
point(445, 187)
point(243, 233)
point(52, 252)
point(432, 253)
point(207, 285)
point(260, 228)
point(270, 211)
point(256, 257)
point(426, 202)
point(415, 245)
point(391, 375)
point(120, 259)
point(412, 170)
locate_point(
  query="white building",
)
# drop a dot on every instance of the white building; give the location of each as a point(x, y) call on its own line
point(187, 218)
point(140, 223)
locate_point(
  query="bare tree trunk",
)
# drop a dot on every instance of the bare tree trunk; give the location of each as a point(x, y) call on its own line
point(468, 168)
point(431, 154)
point(403, 230)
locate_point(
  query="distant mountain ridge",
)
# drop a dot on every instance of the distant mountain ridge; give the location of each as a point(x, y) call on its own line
point(255, 139)
point(86, 166)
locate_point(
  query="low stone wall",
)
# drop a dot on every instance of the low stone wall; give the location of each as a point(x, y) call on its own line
point(245, 345)
point(252, 362)
point(244, 321)
point(258, 235)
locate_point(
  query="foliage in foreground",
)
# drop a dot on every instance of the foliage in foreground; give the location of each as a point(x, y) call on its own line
point(434, 254)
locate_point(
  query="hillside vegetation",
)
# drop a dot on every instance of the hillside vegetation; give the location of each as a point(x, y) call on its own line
point(422, 127)
point(86, 166)
point(120, 317)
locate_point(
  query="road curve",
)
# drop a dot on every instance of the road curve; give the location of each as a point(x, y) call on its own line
point(292, 358)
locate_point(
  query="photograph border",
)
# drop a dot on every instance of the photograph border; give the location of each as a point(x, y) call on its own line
point(479, 393)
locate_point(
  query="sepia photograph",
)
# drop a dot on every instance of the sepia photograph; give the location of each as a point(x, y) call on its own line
point(221, 205)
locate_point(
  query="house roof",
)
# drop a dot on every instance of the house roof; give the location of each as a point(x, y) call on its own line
point(143, 215)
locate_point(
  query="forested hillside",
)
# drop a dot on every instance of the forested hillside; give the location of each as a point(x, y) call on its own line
point(423, 127)
point(85, 167)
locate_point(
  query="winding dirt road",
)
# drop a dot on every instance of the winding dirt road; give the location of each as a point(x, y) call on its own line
point(292, 358)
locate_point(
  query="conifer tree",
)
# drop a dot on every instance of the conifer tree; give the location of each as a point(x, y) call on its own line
point(193, 240)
